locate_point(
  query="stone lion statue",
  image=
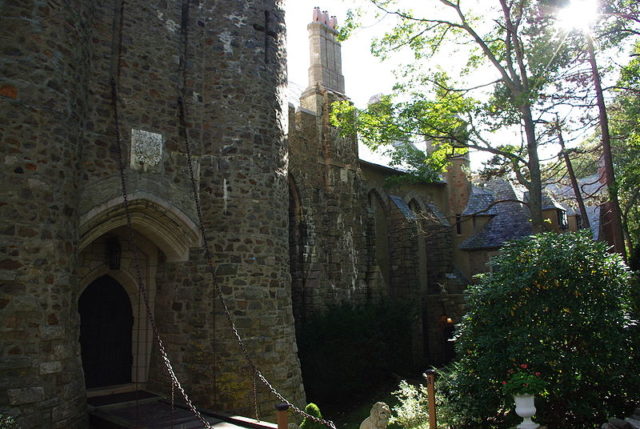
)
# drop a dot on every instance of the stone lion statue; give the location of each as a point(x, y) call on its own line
point(379, 417)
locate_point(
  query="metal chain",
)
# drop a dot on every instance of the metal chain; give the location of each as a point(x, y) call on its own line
point(130, 236)
point(255, 396)
point(136, 260)
point(217, 287)
point(165, 358)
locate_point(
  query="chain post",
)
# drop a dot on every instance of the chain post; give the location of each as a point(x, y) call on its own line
point(282, 416)
point(430, 376)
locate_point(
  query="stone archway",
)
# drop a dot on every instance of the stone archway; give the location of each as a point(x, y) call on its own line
point(162, 234)
point(106, 321)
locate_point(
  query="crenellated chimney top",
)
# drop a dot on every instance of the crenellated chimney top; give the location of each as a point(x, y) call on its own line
point(325, 67)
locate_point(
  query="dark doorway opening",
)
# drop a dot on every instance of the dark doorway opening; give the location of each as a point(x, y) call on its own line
point(106, 320)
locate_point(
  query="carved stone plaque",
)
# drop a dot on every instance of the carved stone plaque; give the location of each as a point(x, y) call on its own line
point(146, 149)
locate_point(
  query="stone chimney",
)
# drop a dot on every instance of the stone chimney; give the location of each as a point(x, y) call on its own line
point(326, 59)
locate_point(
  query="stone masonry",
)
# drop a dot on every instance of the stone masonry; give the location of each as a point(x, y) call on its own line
point(61, 194)
point(295, 221)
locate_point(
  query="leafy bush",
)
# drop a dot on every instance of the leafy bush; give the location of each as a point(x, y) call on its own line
point(7, 422)
point(412, 409)
point(313, 410)
point(348, 351)
point(524, 381)
point(561, 303)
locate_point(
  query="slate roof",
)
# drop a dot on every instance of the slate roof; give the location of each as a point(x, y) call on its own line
point(404, 208)
point(593, 192)
point(593, 213)
point(438, 214)
point(479, 203)
point(548, 202)
point(511, 219)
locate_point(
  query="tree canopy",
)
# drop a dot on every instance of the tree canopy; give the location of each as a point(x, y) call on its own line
point(476, 70)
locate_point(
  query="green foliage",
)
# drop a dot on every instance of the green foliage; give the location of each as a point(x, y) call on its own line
point(524, 381)
point(314, 411)
point(561, 303)
point(625, 126)
point(348, 351)
point(402, 127)
point(7, 422)
point(351, 24)
point(412, 409)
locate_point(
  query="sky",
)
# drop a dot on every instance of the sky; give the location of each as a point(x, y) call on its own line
point(364, 74)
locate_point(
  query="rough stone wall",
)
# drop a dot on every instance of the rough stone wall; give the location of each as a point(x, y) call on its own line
point(434, 228)
point(403, 243)
point(61, 170)
point(43, 105)
point(324, 169)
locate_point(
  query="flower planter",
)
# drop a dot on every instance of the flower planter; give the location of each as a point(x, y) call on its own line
point(525, 408)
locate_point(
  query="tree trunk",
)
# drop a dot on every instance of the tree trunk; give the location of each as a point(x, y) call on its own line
point(535, 181)
point(617, 238)
point(574, 181)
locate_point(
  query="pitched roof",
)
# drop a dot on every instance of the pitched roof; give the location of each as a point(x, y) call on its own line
point(438, 214)
point(479, 203)
point(511, 219)
point(548, 202)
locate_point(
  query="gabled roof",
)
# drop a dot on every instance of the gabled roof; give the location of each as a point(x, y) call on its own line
point(438, 214)
point(480, 203)
point(510, 221)
point(402, 205)
point(549, 203)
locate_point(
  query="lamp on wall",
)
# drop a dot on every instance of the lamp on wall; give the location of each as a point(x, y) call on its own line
point(113, 253)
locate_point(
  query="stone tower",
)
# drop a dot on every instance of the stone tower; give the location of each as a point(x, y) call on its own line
point(85, 83)
point(326, 60)
point(328, 213)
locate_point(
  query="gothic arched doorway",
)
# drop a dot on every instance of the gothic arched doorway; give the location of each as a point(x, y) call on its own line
point(106, 320)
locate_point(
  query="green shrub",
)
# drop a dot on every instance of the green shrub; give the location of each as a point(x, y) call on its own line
point(412, 409)
point(561, 303)
point(348, 351)
point(7, 422)
point(313, 410)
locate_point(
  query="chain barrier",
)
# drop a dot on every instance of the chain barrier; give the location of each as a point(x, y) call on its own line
point(136, 260)
point(175, 383)
point(218, 289)
point(130, 236)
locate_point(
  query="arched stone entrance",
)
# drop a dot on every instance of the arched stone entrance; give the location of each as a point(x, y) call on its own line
point(161, 235)
point(106, 321)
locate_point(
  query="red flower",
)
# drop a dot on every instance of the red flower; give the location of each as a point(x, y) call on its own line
point(537, 373)
point(523, 365)
point(504, 382)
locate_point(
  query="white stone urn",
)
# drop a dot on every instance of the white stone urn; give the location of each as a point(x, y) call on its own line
point(526, 408)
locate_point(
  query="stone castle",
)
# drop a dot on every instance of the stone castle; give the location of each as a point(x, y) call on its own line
point(93, 92)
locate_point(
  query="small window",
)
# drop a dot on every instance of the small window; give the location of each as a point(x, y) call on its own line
point(562, 219)
point(458, 224)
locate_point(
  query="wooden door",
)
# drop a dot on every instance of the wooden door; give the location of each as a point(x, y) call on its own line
point(106, 322)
